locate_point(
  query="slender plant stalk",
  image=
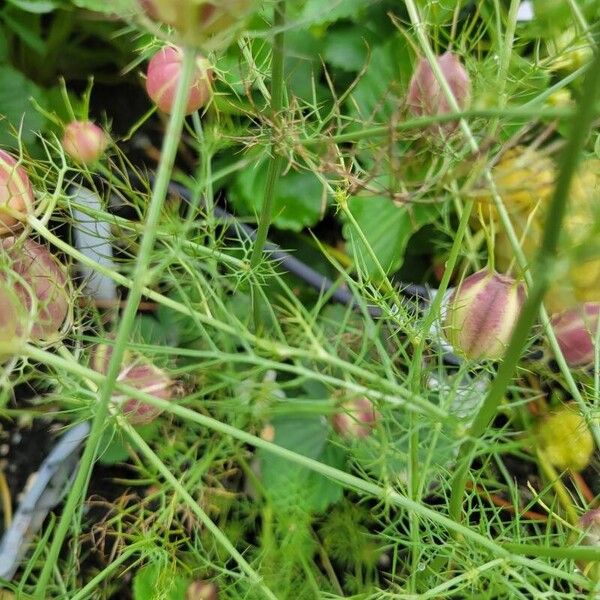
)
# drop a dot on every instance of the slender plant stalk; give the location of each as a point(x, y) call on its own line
point(518, 112)
point(276, 159)
point(542, 275)
point(150, 455)
point(387, 494)
point(139, 281)
point(505, 218)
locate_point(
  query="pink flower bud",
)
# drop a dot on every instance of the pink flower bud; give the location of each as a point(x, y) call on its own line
point(355, 419)
point(139, 374)
point(576, 330)
point(482, 313)
point(41, 278)
point(589, 523)
point(13, 321)
point(16, 194)
point(202, 590)
point(425, 95)
point(84, 142)
point(203, 23)
point(164, 70)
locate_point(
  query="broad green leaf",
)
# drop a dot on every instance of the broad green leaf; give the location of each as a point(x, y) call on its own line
point(348, 48)
point(35, 6)
point(290, 485)
point(317, 12)
point(15, 91)
point(118, 7)
point(387, 227)
point(113, 449)
point(298, 199)
point(153, 583)
point(438, 12)
point(379, 93)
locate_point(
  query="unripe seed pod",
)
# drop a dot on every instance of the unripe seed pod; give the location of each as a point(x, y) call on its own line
point(43, 279)
point(355, 419)
point(210, 24)
point(565, 439)
point(84, 142)
point(202, 590)
point(139, 374)
point(164, 71)
point(576, 331)
point(425, 95)
point(589, 522)
point(13, 321)
point(16, 193)
point(482, 313)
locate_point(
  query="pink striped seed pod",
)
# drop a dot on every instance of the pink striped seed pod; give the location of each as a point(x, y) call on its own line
point(482, 313)
point(13, 321)
point(202, 23)
point(16, 193)
point(84, 142)
point(140, 374)
point(42, 280)
point(425, 95)
point(576, 330)
point(589, 523)
point(355, 419)
point(164, 71)
point(202, 590)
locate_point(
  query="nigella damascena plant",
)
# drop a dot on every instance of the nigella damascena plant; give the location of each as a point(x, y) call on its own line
point(482, 313)
point(576, 330)
point(426, 96)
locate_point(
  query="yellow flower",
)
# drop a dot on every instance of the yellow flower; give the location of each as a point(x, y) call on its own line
point(523, 178)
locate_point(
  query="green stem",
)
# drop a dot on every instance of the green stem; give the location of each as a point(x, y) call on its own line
point(276, 160)
point(386, 494)
point(532, 112)
point(140, 279)
point(145, 449)
point(543, 271)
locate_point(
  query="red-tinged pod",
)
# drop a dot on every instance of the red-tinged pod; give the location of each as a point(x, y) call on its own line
point(140, 374)
point(576, 331)
point(13, 321)
point(355, 418)
point(42, 281)
point(200, 22)
point(202, 590)
point(482, 313)
point(16, 193)
point(425, 94)
point(589, 523)
point(84, 141)
point(164, 71)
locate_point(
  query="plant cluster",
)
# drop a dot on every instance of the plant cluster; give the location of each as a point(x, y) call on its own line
point(412, 409)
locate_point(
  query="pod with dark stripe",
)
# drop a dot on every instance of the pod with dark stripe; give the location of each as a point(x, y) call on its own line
point(41, 279)
point(482, 313)
point(16, 193)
